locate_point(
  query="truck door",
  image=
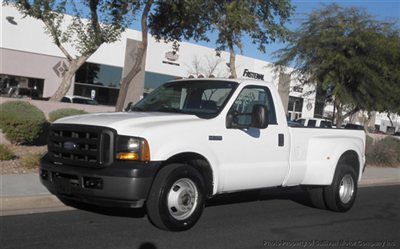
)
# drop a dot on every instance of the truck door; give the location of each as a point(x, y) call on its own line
point(254, 158)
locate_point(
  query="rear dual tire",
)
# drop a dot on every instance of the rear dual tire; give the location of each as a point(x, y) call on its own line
point(340, 195)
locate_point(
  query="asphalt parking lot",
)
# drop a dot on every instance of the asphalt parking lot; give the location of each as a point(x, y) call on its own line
point(266, 219)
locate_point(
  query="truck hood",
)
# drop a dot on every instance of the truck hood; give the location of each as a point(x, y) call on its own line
point(129, 122)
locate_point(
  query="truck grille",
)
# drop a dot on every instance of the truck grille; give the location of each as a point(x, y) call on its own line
point(81, 145)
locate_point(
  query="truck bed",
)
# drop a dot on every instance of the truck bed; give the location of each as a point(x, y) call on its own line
point(314, 151)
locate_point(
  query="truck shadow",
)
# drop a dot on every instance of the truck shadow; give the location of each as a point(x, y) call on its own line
point(295, 194)
point(110, 211)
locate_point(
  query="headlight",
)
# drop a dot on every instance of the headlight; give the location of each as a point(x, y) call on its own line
point(132, 148)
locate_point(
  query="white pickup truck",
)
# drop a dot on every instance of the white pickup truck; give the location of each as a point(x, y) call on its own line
point(189, 140)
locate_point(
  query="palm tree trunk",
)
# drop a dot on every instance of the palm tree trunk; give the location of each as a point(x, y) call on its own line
point(232, 60)
point(139, 57)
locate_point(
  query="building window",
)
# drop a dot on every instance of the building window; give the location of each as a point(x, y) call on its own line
point(20, 86)
point(103, 95)
point(295, 108)
point(99, 75)
point(97, 81)
point(103, 82)
point(154, 80)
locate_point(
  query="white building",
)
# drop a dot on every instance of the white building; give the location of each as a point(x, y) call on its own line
point(32, 63)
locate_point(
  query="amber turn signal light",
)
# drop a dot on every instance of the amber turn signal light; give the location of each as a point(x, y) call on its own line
point(145, 155)
point(128, 156)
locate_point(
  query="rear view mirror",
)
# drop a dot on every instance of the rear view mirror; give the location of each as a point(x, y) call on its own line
point(258, 118)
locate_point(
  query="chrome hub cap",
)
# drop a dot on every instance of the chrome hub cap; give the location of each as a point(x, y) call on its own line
point(346, 189)
point(182, 198)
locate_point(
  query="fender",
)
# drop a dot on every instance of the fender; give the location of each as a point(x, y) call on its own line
point(323, 156)
point(169, 150)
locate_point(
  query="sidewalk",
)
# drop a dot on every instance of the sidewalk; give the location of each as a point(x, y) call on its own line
point(22, 194)
point(21, 185)
point(375, 176)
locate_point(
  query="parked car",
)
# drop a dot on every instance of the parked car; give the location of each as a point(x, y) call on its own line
point(354, 127)
point(190, 140)
point(315, 122)
point(292, 123)
point(79, 100)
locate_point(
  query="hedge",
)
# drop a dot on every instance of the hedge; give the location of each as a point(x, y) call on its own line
point(30, 160)
point(384, 152)
point(21, 122)
point(65, 112)
point(6, 153)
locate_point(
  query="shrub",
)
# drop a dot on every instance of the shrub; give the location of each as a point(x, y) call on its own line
point(21, 122)
point(61, 113)
point(369, 145)
point(6, 153)
point(30, 160)
point(385, 152)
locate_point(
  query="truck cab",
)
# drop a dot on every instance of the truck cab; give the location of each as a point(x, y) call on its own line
point(190, 140)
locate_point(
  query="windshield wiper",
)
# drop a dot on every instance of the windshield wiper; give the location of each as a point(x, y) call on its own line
point(168, 109)
point(137, 109)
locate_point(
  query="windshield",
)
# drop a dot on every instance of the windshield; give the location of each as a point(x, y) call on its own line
point(189, 97)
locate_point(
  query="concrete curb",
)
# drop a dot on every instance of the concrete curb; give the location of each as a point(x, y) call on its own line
point(378, 182)
point(30, 205)
point(49, 203)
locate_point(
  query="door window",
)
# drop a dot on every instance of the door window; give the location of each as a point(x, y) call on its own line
point(250, 96)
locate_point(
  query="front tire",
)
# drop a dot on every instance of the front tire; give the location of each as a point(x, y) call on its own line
point(176, 199)
point(341, 194)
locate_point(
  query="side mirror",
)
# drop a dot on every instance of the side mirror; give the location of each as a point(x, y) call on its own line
point(259, 117)
point(128, 106)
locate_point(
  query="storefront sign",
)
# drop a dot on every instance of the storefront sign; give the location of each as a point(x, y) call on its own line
point(92, 94)
point(60, 68)
point(309, 106)
point(173, 55)
point(253, 75)
point(298, 89)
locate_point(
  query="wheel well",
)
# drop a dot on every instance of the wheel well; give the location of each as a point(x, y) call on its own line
point(197, 161)
point(350, 158)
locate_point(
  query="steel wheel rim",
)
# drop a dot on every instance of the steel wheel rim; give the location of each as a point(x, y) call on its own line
point(346, 189)
point(182, 199)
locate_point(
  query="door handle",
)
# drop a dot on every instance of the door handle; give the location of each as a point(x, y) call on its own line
point(281, 140)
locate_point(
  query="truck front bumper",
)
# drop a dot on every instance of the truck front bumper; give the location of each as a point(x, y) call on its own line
point(122, 184)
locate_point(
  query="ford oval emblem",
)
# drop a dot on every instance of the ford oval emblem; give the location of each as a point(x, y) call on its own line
point(70, 145)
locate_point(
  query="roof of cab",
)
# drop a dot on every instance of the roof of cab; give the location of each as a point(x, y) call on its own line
point(239, 80)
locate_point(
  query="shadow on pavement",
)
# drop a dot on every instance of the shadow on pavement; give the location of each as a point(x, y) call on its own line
point(147, 245)
point(110, 211)
point(295, 194)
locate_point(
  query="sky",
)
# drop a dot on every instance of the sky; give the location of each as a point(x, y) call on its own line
point(380, 9)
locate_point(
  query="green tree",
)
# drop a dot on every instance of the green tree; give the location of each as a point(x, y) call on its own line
point(262, 21)
point(94, 23)
point(346, 50)
point(175, 20)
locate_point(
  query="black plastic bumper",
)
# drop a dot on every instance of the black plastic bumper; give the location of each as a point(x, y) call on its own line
point(122, 184)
